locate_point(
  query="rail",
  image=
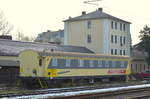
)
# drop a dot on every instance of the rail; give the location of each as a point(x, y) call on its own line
point(86, 93)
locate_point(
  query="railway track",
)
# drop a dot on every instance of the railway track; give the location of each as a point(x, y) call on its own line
point(85, 93)
point(111, 93)
point(140, 97)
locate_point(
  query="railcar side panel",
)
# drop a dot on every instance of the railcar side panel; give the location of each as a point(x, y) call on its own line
point(52, 66)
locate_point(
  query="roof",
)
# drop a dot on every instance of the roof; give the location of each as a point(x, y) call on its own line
point(9, 47)
point(9, 63)
point(138, 55)
point(98, 14)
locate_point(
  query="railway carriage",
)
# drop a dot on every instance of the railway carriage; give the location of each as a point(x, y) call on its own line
point(65, 65)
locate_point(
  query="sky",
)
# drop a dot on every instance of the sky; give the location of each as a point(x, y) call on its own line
point(35, 16)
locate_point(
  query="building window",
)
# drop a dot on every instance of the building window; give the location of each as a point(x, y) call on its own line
point(124, 40)
point(89, 24)
point(89, 38)
point(115, 51)
point(121, 41)
point(136, 67)
point(131, 68)
point(140, 67)
point(124, 27)
point(124, 52)
point(144, 69)
point(116, 25)
point(112, 38)
point(112, 24)
point(120, 26)
point(115, 38)
point(112, 52)
point(120, 52)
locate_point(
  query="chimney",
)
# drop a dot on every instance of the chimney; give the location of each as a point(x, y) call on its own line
point(100, 9)
point(70, 17)
point(48, 30)
point(83, 12)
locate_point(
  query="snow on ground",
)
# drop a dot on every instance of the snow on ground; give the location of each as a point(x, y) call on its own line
point(41, 96)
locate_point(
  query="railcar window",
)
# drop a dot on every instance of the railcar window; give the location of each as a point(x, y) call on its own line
point(74, 63)
point(106, 64)
point(113, 64)
point(118, 63)
point(100, 63)
point(103, 63)
point(81, 63)
point(86, 63)
point(91, 63)
point(110, 63)
point(53, 63)
point(68, 63)
point(125, 64)
point(61, 62)
point(95, 63)
point(122, 64)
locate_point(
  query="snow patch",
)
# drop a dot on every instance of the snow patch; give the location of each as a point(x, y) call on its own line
point(41, 96)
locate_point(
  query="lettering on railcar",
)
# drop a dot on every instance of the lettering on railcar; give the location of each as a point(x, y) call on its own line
point(63, 72)
point(116, 71)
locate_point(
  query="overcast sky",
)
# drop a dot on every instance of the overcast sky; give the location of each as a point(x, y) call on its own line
point(36, 16)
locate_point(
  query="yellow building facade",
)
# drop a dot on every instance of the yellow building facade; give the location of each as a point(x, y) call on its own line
point(99, 32)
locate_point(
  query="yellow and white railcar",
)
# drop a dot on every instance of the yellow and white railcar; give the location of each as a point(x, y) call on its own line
point(53, 65)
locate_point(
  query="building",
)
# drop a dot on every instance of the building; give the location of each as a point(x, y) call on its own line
point(138, 61)
point(99, 32)
point(8, 37)
point(51, 37)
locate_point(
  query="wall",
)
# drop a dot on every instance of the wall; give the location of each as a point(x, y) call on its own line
point(76, 34)
point(101, 31)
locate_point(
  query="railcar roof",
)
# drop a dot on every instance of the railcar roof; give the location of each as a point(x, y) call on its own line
point(73, 54)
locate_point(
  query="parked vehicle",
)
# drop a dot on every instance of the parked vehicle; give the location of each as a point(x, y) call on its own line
point(145, 75)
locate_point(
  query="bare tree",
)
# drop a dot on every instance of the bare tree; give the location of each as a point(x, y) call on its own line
point(22, 37)
point(5, 27)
